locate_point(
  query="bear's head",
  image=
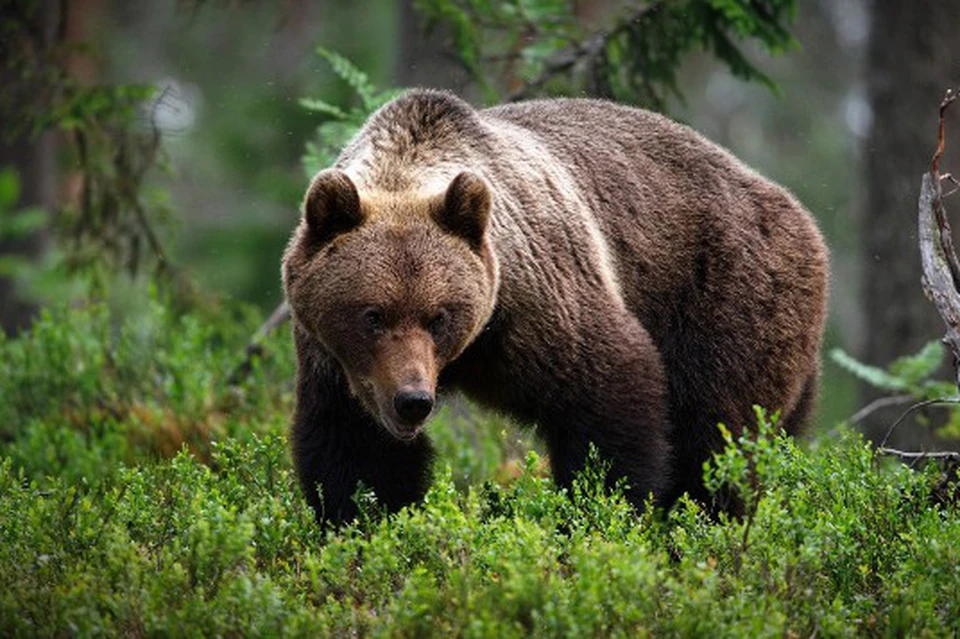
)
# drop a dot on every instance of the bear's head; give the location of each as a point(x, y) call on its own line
point(393, 285)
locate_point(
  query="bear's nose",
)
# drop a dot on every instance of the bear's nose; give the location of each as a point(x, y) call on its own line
point(413, 406)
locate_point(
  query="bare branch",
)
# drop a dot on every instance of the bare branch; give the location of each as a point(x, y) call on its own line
point(255, 347)
point(915, 407)
point(945, 454)
point(948, 97)
point(949, 178)
point(878, 404)
point(941, 276)
point(941, 271)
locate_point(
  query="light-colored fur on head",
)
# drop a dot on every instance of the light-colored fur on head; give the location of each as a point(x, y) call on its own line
point(417, 264)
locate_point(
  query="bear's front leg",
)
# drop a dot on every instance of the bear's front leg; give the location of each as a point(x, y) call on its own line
point(612, 394)
point(336, 444)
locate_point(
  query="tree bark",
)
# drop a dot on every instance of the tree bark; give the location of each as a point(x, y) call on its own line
point(914, 54)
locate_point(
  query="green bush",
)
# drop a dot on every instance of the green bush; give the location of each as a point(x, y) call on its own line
point(104, 535)
point(84, 390)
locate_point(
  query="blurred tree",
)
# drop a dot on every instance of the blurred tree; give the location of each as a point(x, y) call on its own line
point(34, 164)
point(423, 59)
point(109, 143)
point(525, 48)
point(31, 158)
point(914, 54)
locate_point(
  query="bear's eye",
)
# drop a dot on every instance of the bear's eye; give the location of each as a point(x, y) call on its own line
point(438, 323)
point(374, 321)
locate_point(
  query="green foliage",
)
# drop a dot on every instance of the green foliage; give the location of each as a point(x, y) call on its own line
point(912, 375)
point(15, 224)
point(104, 533)
point(529, 47)
point(836, 545)
point(477, 446)
point(111, 140)
point(110, 227)
point(342, 123)
point(85, 390)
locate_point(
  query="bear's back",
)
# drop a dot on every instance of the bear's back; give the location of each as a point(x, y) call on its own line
point(725, 269)
point(677, 211)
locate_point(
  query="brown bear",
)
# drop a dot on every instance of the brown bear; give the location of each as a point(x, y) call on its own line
point(596, 270)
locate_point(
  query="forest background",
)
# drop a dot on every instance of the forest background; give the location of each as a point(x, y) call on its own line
point(153, 156)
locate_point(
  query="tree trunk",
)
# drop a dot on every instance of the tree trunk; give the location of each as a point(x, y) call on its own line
point(34, 162)
point(914, 54)
point(427, 59)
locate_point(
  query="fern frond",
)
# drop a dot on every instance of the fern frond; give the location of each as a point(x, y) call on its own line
point(352, 75)
point(920, 366)
point(870, 374)
point(319, 106)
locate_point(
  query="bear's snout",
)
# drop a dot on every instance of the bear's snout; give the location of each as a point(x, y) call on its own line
point(413, 406)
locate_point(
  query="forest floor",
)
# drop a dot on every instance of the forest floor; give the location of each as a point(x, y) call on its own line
point(141, 494)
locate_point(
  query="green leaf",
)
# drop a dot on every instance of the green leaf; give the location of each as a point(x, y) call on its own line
point(10, 265)
point(319, 106)
point(537, 11)
point(874, 376)
point(918, 367)
point(21, 223)
point(351, 74)
point(9, 188)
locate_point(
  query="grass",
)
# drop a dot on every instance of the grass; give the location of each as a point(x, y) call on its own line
point(141, 495)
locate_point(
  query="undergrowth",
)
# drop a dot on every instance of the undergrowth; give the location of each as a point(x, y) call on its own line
point(141, 495)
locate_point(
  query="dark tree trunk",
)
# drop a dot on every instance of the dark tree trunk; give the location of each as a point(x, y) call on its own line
point(914, 55)
point(34, 161)
point(427, 59)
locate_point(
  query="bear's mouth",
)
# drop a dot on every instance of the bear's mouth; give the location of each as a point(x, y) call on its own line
point(382, 413)
point(401, 431)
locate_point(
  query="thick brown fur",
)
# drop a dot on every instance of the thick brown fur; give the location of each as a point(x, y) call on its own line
point(597, 270)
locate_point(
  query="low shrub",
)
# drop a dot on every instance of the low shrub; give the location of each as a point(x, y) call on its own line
point(104, 534)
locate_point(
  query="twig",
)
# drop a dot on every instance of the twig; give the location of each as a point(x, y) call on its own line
point(943, 454)
point(948, 97)
point(877, 404)
point(949, 178)
point(917, 406)
point(255, 347)
point(137, 175)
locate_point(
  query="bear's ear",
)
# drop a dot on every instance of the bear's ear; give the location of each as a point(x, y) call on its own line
point(332, 206)
point(465, 211)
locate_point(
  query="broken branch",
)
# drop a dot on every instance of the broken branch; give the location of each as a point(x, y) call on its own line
point(255, 346)
point(941, 271)
point(941, 276)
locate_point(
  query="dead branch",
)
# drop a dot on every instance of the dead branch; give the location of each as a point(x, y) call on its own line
point(948, 97)
point(941, 271)
point(878, 404)
point(929, 402)
point(941, 276)
point(255, 346)
point(945, 454)
point(948, 177)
